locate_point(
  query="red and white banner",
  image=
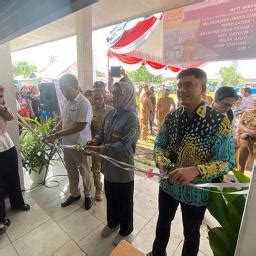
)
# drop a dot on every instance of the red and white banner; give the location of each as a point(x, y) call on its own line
point(190, 36)
point(142, 45)
point(136, 36)
point(216, 30)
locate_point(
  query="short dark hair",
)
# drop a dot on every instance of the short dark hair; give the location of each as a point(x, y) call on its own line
point(70, 80)
point(98, 91)
point(196, 72)
point(99, 85)
point(225, 92)
point(248, 90)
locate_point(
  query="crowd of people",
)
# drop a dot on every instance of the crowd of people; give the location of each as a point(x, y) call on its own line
point(195, 143)
point(28, 101)
point(152, 108)
point(37, 102)
point(238, 107)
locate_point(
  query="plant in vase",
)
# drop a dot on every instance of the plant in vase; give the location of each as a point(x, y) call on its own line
point(36, 154)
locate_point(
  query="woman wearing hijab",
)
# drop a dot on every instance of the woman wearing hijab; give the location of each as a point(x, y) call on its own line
point(9, 176)
point(117, 139)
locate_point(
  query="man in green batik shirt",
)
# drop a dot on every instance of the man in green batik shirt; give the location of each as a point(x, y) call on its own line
point(197, 141)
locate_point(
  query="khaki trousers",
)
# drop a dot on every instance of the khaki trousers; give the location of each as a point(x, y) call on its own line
point(77, 162)
point(96, 166)
point(245, 150)
point(144, 127)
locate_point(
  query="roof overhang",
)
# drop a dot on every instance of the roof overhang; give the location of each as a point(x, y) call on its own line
point(20, 17)
point(104, 13)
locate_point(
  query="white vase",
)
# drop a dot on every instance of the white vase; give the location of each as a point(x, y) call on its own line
point(36, 177)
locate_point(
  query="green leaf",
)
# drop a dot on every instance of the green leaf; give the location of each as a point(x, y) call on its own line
point(227, 209)
point(220, 242)
point(241, 177)
point(35, 153)
point(218, 208)
point(235, 206)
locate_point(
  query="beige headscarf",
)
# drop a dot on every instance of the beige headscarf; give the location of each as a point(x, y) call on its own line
point(128, 95)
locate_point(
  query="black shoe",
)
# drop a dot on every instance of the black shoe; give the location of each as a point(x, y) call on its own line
point(7, 222)
point(87, 203)
point(4, 225)
point(151, 254)
point(70, 200)
point(25, 207)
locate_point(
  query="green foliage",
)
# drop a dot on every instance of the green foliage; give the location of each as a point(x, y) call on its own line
point(211, 86)
point(228, 210)
point(142, 75)
point(79, 146)
point(34, 152)
point(220, 242)
point(100, 74)
point(240, 176)
point(23, 68)
point(230, 76)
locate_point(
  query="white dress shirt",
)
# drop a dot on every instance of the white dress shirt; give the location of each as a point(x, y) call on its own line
point(77, 110)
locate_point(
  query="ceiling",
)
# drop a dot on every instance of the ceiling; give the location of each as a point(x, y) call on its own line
point(102, 16)
point(19, 17)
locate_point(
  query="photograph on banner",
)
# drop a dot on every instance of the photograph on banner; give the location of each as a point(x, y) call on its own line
point(212, 31)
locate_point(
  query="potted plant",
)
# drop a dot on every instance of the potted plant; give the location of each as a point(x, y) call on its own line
point(228, 210)
point(36, 154)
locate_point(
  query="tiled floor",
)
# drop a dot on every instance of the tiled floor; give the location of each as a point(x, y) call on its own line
point(48, 229)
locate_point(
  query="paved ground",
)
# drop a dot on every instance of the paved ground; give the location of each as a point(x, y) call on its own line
point(48, 229)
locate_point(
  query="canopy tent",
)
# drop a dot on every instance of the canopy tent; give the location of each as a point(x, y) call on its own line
point(142, 45)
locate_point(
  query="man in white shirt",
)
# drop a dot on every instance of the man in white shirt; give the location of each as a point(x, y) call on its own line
point(74, 128)
point(247, 102)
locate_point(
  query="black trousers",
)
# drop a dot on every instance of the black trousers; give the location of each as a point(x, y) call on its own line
point(192, 217)
point(9, 181)
point(120, 206)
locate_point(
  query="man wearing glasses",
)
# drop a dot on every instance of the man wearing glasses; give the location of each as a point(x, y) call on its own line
point(224, 99)
point(194, 145)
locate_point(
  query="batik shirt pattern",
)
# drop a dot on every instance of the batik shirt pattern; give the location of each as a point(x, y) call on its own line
point(249, 119)
point(205, 141)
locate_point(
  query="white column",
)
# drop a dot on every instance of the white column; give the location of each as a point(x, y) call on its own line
point(6, 79)
point(84, 48)
point(246, 240)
